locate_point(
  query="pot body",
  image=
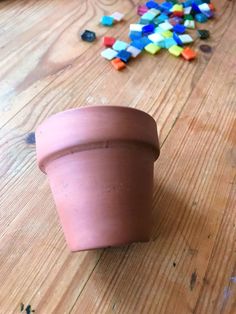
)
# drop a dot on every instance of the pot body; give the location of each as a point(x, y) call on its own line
point(99, 161)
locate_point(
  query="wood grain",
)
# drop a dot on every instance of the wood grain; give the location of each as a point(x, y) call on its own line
point(190, 264)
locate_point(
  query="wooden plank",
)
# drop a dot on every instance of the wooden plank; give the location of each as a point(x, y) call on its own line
point(218, 293)
point(194, 213)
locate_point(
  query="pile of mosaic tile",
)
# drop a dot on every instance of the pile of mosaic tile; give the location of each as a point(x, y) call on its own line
point(161, 26)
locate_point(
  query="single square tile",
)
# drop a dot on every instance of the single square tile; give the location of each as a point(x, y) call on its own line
point(147, 18)
point(118, 64)
point(195, 7)
point(185, 38)
point(169, 42)
point(166, 6)
point(134, 51)
point(152, 5)
point(155, 38)
point(135, 35)
point(137, 44)
point(159, 30)
point(179, 28)
point(177, 7)
point(201, 18)
point(155, 12)
point(167, 34)
point(118, 16)
point(166, 26)
point(175, 50)
point(108, 41)
point(188, 54)
point(109, 54)
point(124, 55)
point(141, 9)
point(189, 24)
point(204, 7)
point(120, 45)
point(152, 48)
point(187, 10)
point(136, 28)
point(147, 29)
point(107, 20)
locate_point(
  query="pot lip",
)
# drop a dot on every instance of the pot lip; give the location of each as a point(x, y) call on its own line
point(84, 108)
point(49, 147)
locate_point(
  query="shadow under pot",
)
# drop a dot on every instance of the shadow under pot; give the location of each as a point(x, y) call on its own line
point(99, 161)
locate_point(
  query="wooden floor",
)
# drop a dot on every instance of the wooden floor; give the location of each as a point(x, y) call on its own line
point(189, 266)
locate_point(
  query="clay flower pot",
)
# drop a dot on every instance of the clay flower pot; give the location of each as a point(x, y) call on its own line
point(99, 161)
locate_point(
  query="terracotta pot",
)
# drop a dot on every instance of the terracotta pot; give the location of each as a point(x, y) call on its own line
point(99, 161)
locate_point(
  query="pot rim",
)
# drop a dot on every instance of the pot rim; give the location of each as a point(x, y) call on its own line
point(91, 127)
point(93, 107)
